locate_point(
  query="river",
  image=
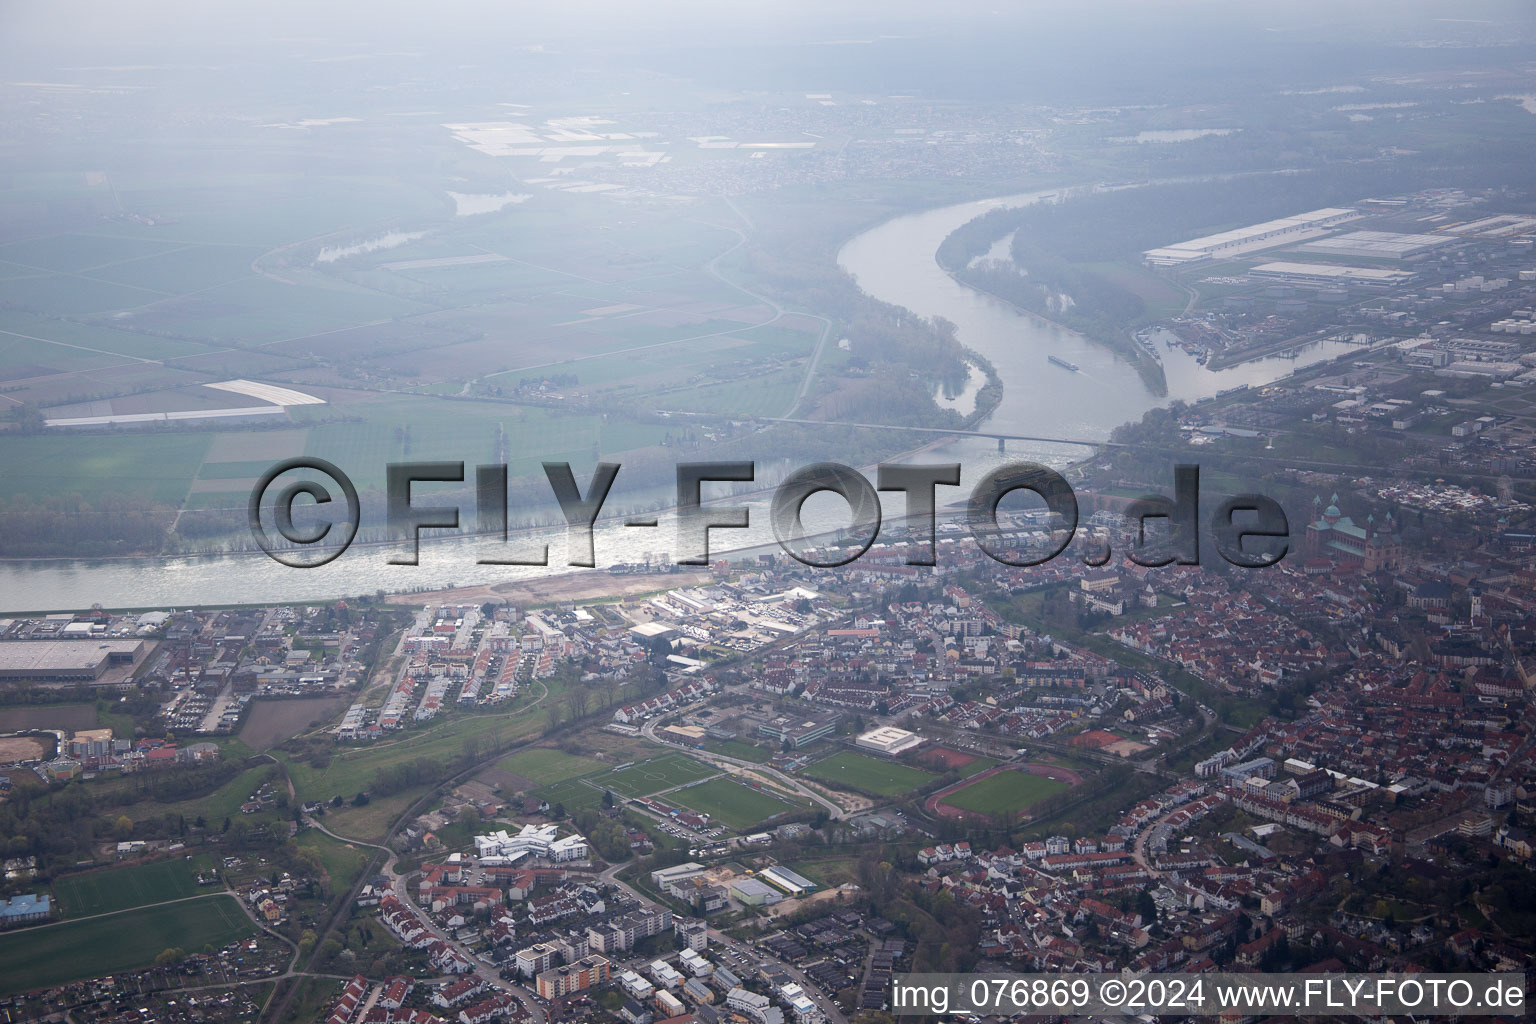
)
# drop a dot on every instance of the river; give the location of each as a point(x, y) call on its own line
point(893, 261)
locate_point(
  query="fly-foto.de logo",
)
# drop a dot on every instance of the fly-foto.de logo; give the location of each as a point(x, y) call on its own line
point(305, 512)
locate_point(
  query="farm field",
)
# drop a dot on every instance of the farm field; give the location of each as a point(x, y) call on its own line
point(727, 801)
point(105, 892)
point(1004, 793)
point(270, 722)
point(57, 716)
point(655, 775)
point(54, 954)
point(143, 317)
point(546, 766)
point(156, 468)
point(768, 395)
point(871, 774)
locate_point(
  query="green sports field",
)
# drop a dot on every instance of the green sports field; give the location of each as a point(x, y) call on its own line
point(655, 775)
point(572, 794)
point(731, 803)
point(546, 766)
point(103, 892)
point(741, 750)
point(54, 954)
point(1004, 794)
point(869, 774)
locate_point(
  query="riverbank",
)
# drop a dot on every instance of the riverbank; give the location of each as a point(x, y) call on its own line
point(560, 588)
point(1123, 344)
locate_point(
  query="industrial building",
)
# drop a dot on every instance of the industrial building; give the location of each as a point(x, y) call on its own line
point(65, 661)
point(753, 893)
point(889, 741)
point(1330, 273)
point(1376, 245)
point(1267, 235)
point(789, 882)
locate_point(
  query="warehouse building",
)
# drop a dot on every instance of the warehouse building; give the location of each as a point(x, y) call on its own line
point(65, 661)
point(1378, 245)
point(752, 893)
point(1330, 273)
point(789, 882)
point(1267, 235)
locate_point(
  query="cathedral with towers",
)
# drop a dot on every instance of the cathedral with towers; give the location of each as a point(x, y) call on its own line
point(1330, 533)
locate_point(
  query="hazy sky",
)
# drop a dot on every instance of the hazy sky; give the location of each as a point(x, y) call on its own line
point(1076, 51)
point(63, 23)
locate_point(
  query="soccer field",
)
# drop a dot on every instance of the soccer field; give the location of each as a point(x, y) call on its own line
point(731, 803)
point(869, 774)
point(653, 776)
point(54, 954)
point(1005, 793)
point(546, 766)
point(103, 892)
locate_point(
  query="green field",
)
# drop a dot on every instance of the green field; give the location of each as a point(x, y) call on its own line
point(342, 861)
point(353, 770)
point(546, 766)
point(869, 774)
point(1004, 794)
point(213, 808)
point(741, 750)
point(573, 795)
point(655, 775)
point(54, 954)
point(157, 468)
point(731, 803)
point(104, 892)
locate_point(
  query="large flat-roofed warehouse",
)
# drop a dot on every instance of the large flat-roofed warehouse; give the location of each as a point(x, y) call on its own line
point(1378, 245)
point(1330, 273)
point(787, 881)
point(888, 740)
point(753, 893)
point(65, 661)
point(1267, 235)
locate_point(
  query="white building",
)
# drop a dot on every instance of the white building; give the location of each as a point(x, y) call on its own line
point(1253, 238)
point(501, 847)
point(759, 1008)
point(889, 741)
